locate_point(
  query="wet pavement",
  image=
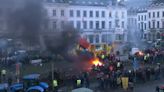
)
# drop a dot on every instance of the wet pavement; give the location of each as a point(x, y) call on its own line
point(144, 87)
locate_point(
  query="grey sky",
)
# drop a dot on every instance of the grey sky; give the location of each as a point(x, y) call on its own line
point(138, 3)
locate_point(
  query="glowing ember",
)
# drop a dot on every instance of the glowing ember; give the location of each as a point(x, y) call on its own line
point(96, 62)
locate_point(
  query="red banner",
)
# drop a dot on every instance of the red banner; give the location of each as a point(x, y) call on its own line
point(84, 43)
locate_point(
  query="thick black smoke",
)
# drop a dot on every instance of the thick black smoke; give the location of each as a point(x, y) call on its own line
point(62, 41)
point(25, 22)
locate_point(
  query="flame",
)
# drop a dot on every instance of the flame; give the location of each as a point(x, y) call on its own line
point(141, 53)
point(97, 62)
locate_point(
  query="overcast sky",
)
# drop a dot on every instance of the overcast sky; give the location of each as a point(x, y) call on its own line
point(138, 3)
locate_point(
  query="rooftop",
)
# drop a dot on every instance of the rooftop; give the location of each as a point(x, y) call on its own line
point(157, 3)
point(87, 2)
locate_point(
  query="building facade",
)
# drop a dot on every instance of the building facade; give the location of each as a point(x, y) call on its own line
point(99, 21)
point(132, 24)
point(155, 22)
point(150, 23)
point(142, 23)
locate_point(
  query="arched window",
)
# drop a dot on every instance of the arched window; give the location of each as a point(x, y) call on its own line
point(158, 36)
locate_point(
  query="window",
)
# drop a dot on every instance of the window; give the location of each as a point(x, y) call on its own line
point(62, 12)
point(103, 24)
point(145, 18)
point(91, 13)
point(145, 25)
point(139, 18)
point(62, 24)
point(97, 13)
point(84, 13)
point(149, 15)
point(72, 23)
point(85, 24)
point(54, 25)
point(71, 13)
point(110, 14)
point(117, 23)
point(78, 25)
point(158, 14)
point(163, 14)
point(142, 18)
point(139, 26)
point(149, 24)
point(54, 12)
point(153, 14)
point(119, 37)
point(145, 36)
point(122, 24)
point(104, 38)
point(162, 24)
point(78, 13)
point(97, 24)
point(158, 25)
point(103, 14)
point(153, 24)
point(110, 24)
point(123, 14)
point(91, 24)
point(91, 38)
point(97, 38)
point(142, 25)
point(116, 14)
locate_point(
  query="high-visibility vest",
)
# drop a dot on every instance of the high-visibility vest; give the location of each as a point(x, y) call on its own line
point(78, 82)
point(119, 80)
point(102, 56)
point(55, 83)
point(3, 72)
point(118, 64)
point(145, 57)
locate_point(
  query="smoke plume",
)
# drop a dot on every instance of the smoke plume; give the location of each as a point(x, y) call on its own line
point(25, 22)
point(62, 41)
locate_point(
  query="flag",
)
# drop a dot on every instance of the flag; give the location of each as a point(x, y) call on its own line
point(84, 43)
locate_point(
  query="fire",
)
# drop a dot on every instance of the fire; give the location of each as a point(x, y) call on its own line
point(140, 53)
point(96, 62)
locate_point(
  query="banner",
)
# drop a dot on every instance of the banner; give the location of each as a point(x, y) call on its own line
point(125, 82)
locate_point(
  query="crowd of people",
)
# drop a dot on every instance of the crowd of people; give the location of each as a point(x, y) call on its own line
point(109, 75)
